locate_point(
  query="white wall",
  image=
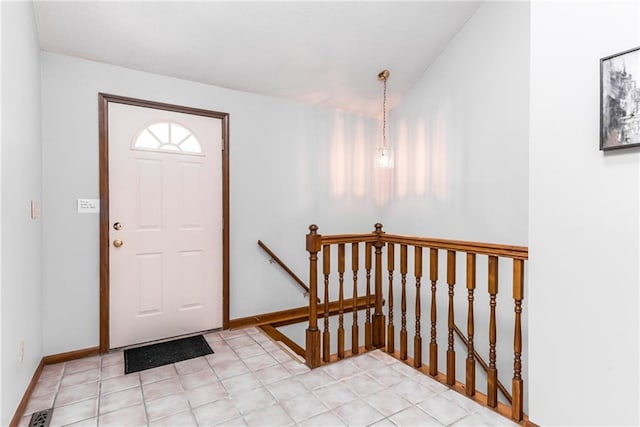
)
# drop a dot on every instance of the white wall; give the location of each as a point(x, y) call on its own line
point(583, 229)
point(461, 135)
point(291, 166)
point(461, 169)
point(1, 181)
point(21, 286)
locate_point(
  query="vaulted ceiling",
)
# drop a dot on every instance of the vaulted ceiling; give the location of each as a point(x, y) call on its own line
point(320, 53)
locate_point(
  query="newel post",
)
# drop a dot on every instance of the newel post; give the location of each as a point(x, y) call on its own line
point(378, 338)
point(312, 344)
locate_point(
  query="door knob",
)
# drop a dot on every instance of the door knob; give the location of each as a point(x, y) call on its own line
point(117, 243)
point(117, 226)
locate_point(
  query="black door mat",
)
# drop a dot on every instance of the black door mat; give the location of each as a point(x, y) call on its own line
point(165, 353)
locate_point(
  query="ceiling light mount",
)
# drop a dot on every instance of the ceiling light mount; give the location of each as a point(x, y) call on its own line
point(383, 75)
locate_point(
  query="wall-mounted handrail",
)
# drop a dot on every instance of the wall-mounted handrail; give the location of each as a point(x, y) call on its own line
point(284, 266)
point(482, 363)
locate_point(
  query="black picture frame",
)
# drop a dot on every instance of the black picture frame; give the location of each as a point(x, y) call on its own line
point(620, 100)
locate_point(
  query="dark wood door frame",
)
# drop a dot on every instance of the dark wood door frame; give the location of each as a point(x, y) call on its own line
point(103, 103)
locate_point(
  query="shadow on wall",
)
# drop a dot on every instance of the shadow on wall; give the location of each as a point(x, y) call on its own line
point(421, 155)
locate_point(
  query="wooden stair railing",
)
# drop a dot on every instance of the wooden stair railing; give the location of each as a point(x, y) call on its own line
point(378, 335)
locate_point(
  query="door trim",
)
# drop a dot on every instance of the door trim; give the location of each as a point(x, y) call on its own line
point(103, 126)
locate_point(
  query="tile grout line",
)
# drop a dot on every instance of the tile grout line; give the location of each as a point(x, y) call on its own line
point(99, 393)
point(144, 401)
point(55, 399)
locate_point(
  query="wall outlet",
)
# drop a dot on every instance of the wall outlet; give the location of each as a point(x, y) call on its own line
point(21, 351)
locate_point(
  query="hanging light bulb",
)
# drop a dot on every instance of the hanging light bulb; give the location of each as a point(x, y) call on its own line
point(384, 153)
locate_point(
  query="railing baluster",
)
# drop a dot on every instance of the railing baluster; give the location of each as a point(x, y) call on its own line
point(517, 384)
point(326, 335)
point(378, 336)
point(403, 303)
point(312, 336)
point(417, 340)
point(470, 387)
point(355, 265)
point(367, 321)
point(390, 328)
point(341, 301)
point(433, 345)
point(492, 372)
point(451, 353)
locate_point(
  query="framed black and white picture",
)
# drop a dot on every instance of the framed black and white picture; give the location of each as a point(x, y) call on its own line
point(620, 100)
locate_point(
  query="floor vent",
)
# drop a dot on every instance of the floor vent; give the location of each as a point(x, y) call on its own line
point(41, 418)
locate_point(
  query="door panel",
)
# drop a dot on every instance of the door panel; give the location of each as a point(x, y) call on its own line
point(192, 174)
point(166, 278)
point(192, 266)
point(149, 186)
point(148, 284)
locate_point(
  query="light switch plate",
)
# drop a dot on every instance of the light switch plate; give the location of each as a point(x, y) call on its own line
point(34, 209)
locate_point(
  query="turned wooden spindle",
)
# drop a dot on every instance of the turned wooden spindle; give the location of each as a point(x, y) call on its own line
point(341, 301)
point(417, 339)
point(517, 384)
point(326, 335)
point(378, 331)
point(390, 328)
point(451, 353)
point(470, 384)
point(378, 322)
point(312, 337)
point(492, 372)
point(433, 344)
point(367, 320)
point(355, 265)
point(403, 302)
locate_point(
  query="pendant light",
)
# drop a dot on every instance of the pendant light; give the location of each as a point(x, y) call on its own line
point(384, 154)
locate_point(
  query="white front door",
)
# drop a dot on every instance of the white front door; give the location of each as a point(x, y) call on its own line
point(165, 213)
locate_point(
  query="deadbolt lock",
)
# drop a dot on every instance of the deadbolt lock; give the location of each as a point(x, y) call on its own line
point(117, 226)
point(117, 243)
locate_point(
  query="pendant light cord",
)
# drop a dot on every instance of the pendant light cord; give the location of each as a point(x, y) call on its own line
point(384, 115)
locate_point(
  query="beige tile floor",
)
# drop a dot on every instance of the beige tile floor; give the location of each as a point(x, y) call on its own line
point(251, 381)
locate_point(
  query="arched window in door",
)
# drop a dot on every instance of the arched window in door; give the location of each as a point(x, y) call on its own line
point(169, 137)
